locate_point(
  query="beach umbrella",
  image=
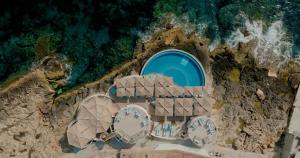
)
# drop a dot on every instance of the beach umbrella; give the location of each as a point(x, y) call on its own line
point(80, 134)
point(97, 112)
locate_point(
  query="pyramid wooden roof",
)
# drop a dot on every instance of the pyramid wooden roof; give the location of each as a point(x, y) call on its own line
point(201, 106)
point(164, 107)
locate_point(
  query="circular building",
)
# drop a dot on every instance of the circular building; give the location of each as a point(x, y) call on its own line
point(97, 111)
point(131, 123)
point(182, 67)
point(201, 130)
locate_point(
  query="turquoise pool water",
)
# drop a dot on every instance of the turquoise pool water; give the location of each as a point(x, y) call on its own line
point(182, 67)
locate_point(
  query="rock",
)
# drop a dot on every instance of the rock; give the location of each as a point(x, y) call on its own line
point(294, 80)
point(260, 94)
point(54, 69)
point(27, 102)
point(272, 73)
point(234, 75)
point(263, 122)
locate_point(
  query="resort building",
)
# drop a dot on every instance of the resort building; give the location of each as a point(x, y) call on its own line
point(167, 101)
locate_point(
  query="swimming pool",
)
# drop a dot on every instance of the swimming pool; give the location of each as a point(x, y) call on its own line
point(183, 67)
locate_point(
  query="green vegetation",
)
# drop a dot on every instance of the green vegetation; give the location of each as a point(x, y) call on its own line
point(258, 107)
point(91, 36)
point(227, 17)
point(168, 6)
point(229, 141)
point(243, 123)
point(218, 104)
point(234, 75)
point(16, 55)
point(95, 36)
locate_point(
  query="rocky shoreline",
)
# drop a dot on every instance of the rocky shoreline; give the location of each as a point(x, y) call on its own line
point(34, 118)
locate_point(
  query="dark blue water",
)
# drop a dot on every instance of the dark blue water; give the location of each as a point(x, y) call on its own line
point(182, 67)
point(217, 19)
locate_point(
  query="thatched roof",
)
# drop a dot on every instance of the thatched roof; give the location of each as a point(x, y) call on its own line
point(188, 91)
point(121, 92)
point(140, 82)
point(79, 134)
point(201, 106)
point(164, 107)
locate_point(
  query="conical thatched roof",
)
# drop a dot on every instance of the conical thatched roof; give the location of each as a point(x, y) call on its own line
point(98, 111)
point(80, 134)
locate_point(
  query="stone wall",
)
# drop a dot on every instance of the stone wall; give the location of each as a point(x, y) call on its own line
point(292, 138)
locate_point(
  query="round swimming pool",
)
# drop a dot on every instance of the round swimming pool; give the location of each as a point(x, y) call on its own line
point(183, 67)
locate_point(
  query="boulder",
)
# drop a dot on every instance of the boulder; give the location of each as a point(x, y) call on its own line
point(272, 73)
point(260, 94)
point(294, 80)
